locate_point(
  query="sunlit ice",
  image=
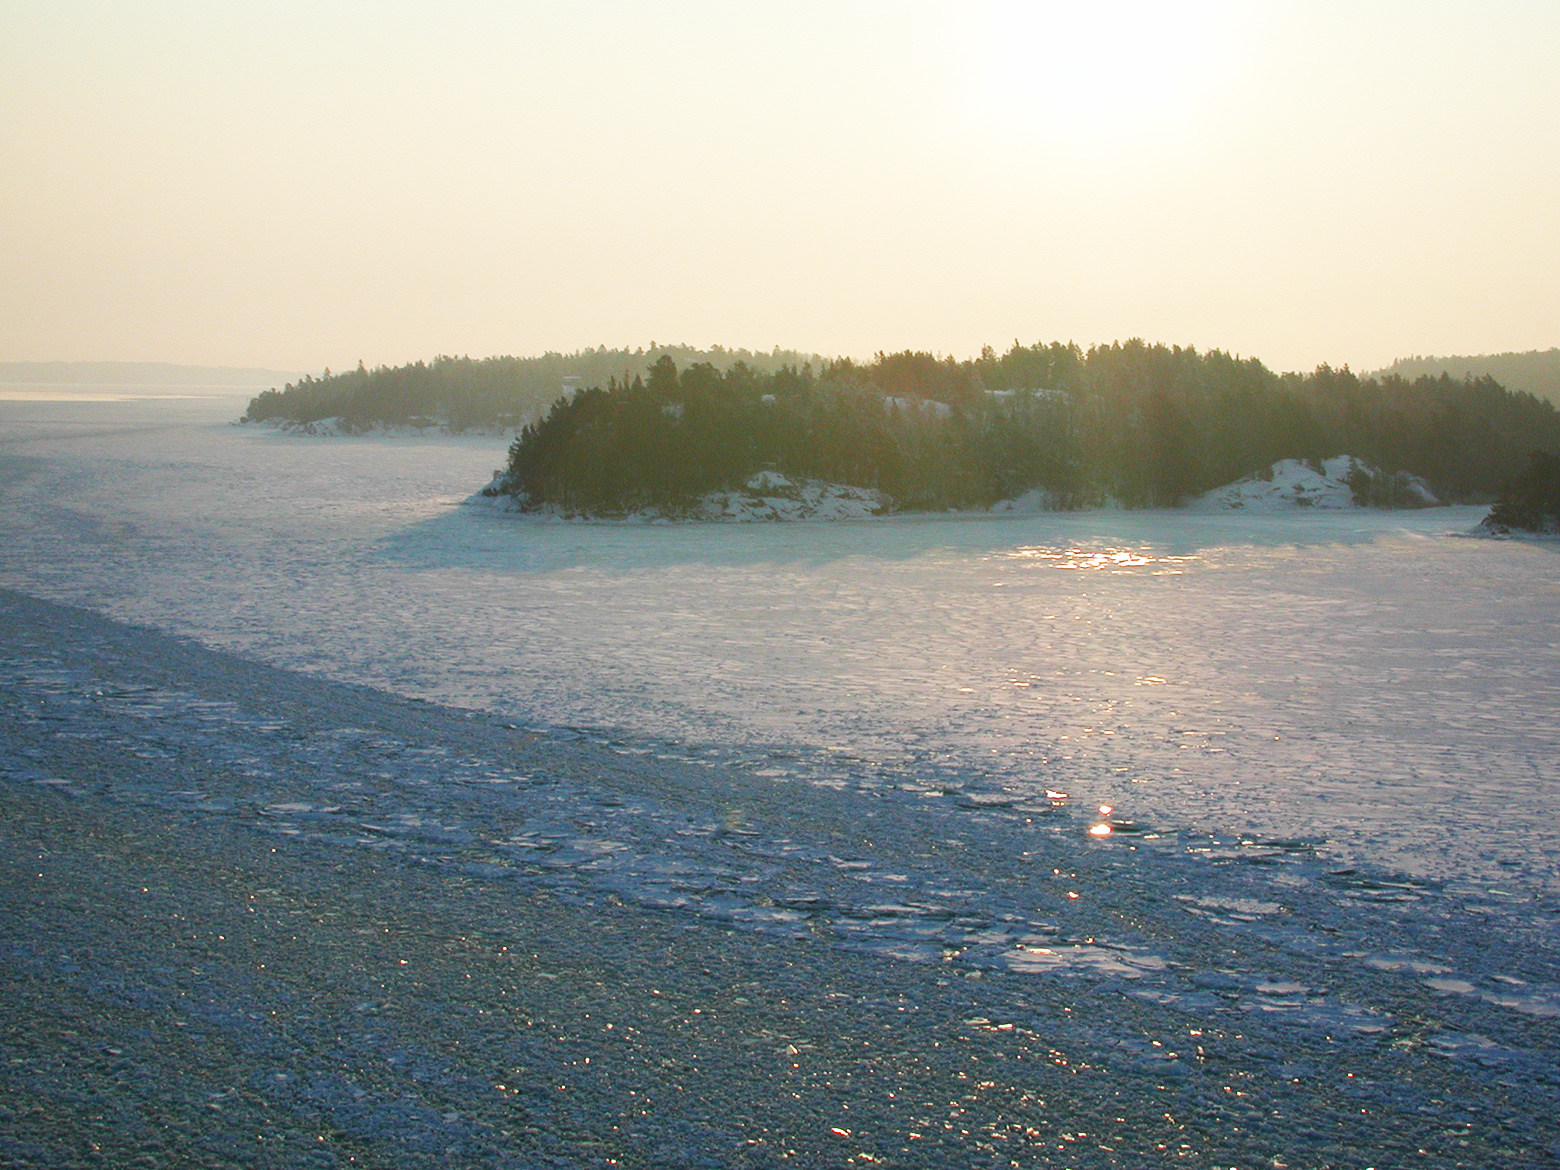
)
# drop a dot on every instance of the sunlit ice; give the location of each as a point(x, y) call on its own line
point(1083, 74)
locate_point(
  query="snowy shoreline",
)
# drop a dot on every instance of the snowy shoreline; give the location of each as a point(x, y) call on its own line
point(1290, 485)
point(336, 428)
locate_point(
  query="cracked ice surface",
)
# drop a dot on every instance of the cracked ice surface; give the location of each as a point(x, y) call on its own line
point(1331, 736)
point(1357, 680)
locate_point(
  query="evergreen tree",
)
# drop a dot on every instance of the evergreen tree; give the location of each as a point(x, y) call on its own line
point(1531, 501)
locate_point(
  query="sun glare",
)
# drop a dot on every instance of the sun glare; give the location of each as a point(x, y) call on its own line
point(1105, 70)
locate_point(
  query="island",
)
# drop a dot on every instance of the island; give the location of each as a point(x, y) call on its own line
point(1048, 426)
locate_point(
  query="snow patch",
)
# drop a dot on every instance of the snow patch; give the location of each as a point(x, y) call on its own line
point(928, 407)
point(771, 496)
point(1339, 484)
point(1490, 527)
point(336, 427)
point(495, 495)
point(768, 495)
point(1031, 503)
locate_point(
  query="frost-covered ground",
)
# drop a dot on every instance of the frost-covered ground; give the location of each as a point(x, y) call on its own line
point(1328, 741)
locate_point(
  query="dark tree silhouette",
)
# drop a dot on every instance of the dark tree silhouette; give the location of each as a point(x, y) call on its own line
point(1531, 501)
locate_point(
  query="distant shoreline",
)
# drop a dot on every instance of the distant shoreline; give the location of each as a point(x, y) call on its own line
point(140, 374)
point(115, 392)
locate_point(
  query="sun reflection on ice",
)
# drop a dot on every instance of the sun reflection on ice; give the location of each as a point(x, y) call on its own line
point(1109, 559)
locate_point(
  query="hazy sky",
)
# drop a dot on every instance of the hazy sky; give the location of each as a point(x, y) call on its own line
point(307, 184)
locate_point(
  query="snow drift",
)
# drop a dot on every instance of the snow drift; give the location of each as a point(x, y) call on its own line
point(1343, 481)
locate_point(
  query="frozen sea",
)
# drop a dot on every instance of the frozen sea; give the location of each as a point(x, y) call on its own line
point(1374, 683)
point(1327, 743)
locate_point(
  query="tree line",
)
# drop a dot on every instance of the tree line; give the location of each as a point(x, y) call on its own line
point(1144, 424)
point(463, 393)
point(1537, 371)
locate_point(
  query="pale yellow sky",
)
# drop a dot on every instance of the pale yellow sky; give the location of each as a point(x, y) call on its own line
point(306, 184)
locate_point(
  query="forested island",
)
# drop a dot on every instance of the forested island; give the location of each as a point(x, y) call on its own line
point(495, 393)
point(1144, 425)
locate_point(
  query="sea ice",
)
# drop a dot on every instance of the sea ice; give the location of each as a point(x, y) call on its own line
point(1302, 720)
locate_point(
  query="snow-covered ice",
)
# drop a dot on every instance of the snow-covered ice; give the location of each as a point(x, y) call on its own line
point(1323, 741)
point(1354, 677)
point(1330, 732)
